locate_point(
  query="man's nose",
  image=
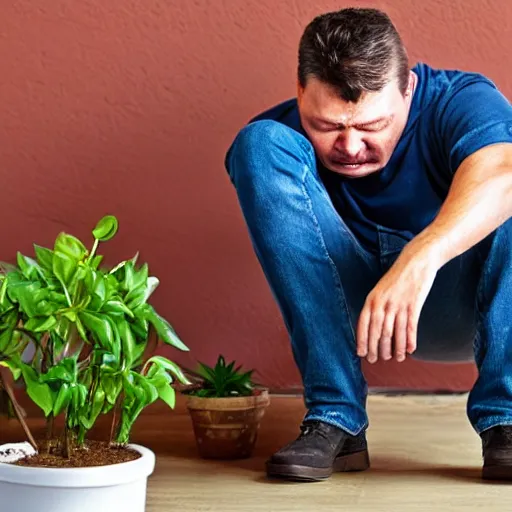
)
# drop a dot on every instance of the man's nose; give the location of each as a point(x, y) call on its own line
point(349, 143)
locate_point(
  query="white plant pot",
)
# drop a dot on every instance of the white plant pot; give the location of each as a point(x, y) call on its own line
point(116, 488)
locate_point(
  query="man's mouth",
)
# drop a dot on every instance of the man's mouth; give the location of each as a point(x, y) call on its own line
point(353, 168)
point(350, 165)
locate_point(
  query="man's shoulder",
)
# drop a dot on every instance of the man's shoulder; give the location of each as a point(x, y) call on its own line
point(286, 112)
point(442, 83)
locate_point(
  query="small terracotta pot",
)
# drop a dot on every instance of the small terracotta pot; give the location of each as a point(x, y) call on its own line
point(227, 428)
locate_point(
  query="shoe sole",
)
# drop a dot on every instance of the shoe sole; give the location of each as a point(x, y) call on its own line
point(498, 472)
point(358, 461)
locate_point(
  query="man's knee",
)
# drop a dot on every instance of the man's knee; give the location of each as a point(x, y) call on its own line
point(260, 145)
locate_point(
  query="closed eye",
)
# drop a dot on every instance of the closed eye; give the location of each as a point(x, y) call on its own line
point(374, 127)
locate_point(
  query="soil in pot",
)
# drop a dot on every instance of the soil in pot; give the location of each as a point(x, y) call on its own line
point(93, 453)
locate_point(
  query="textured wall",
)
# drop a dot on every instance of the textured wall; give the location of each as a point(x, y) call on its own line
point(127, 107)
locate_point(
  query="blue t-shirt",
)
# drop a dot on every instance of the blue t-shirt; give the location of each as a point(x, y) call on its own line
point(452, 115)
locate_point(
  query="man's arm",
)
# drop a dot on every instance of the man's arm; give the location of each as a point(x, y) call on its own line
point(479, 201)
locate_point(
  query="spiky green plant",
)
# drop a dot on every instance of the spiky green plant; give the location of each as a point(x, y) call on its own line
point(223, 380)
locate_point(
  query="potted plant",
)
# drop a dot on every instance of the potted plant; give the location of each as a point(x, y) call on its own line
point(92, 335)
point(226, 409)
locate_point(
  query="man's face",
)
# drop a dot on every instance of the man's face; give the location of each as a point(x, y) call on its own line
point(354, 139)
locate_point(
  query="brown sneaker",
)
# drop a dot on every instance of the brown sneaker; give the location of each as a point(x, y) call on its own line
point(319, 450)
point(497, 453)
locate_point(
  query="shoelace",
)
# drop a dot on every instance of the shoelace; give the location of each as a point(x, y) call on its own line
point(314, 426)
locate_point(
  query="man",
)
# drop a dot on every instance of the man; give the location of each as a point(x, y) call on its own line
point(380, 193)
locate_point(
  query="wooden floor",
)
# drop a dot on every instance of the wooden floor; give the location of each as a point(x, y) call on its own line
point(424, 456)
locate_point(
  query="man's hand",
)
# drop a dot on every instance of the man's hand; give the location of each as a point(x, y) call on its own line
point(389, 319)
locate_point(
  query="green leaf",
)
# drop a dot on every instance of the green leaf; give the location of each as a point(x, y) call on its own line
point(128, 342)
point(40, 393)
point(96, 261)
point(70, 315)
point(79, 396)
point(158, 376)
point(70, 246)
point(80, 329)
point(13, 366)
point(4, 301)
point(59, 343)
point(28, 295)
point(169, 366)
point(135, 297)
point(116, 342)
point(140, 326)
point(224, 380)
point(107, 360)
point(95, 410)
point(106, 228)
point(151, 393)
point(100, 327)
point(40, 324)
point(63, 267)
point(65, 371)
point(47, 308)
point(113, 284)
point(44, 257)
point(97, 286)
point(6, 345)
point(79, 275)
point(152, 284)
point(58, 298)
point(163, 328)
point(168, 395)
point(28, 266)
point(129, 277)
point(117, 306)
point(100, 287)
point(141, 276)
point(63, 399)
point(221, 362)
point(206, 372)
point(112, 387)
point(8, 324)
point(118, 267)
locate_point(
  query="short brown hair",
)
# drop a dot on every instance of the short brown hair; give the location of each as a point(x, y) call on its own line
point(354, 50)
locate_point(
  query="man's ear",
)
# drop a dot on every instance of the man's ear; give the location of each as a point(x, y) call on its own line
point(300, 91)
point(411, 85)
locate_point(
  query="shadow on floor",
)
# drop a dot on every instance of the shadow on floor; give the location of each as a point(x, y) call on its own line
point(390, 466)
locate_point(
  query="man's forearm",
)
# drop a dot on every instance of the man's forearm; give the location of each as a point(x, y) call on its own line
point(479, 201)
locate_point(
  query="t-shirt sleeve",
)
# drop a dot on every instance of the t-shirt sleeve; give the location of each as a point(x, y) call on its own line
point(470, 117)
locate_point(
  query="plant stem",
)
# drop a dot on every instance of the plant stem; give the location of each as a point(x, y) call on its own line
point(67, 441)
point(49, 432)
point(81, 435)
point(67, 452)
point(17, 408)
point(93, 250)
point(51, 353)
point(114, 425)
point(44, 351)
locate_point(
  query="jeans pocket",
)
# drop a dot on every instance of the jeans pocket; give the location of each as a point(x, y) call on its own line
point(391, 244)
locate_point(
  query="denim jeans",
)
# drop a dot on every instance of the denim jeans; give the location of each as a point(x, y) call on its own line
point(320, 276)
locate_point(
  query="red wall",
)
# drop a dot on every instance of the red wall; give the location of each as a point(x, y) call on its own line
point(128, 106)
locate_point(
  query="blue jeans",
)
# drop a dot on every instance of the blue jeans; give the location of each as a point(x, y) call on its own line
point(320, 276)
